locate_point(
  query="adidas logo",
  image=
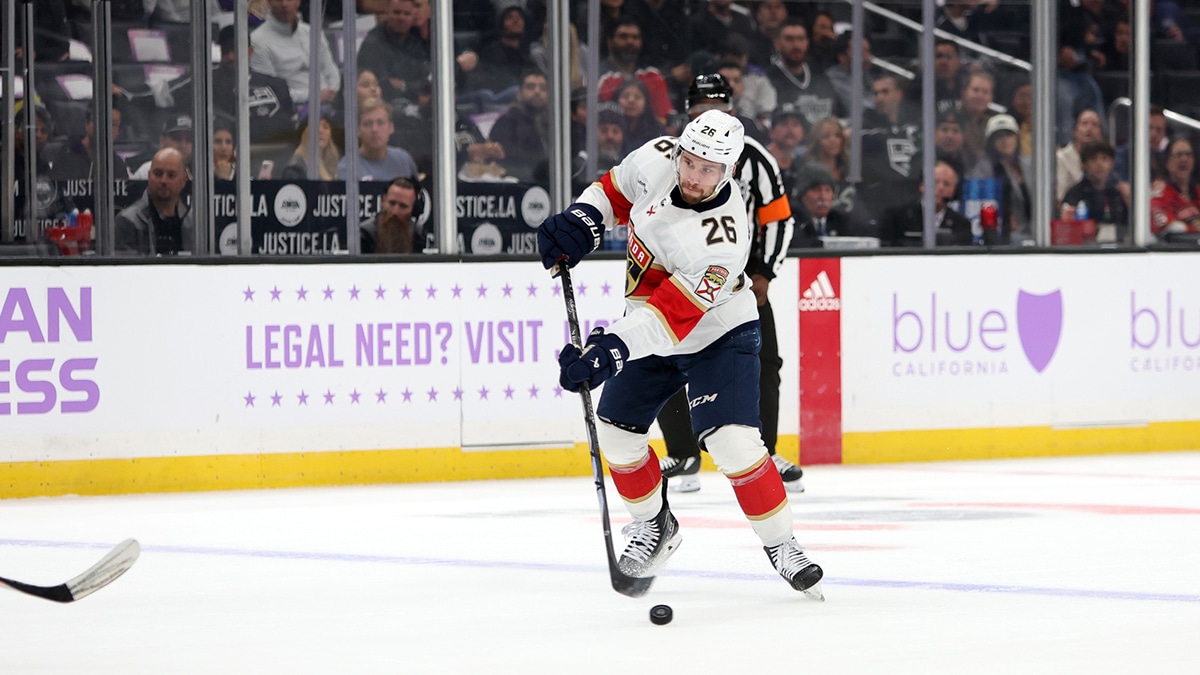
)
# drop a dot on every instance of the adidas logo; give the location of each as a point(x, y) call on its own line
point(820, 296)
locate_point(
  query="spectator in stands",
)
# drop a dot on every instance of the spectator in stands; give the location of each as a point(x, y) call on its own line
point(1116, 49)
point(712, 21)
point(640, 123)
point(786, 138)
point(1158, 148)
point(1070, 166)
point(956, 17)
point(1105, 203)
point(281, 48)
point(735, 76)
point(224, 146)
point(891, 138)
point(768, 18)
point(328, 157)
point(395, 52)
point(1020, 106)
point(949, 142)
point(1004, 163)
point(159, 223)
point(577, 54)
point(51, 32)
point(949, 76)
point(50, 202)
point(177, 134)
point(1168, 21)
point(667, 21)
point(271, 110)
point(821, 50)
point(1074, 85)
point(1175, 198)
point(839, 73)
point(366, 86)
point(796, 82)
point(610, 137)
point(394, 229)
point(817, 216)
point(904, 225)
point(827, 145)
point(376, 160)
point(524, 129)
point(624, 63)
point(975, 107)
point(504, 60)
point(77, 159)
point(754, 97)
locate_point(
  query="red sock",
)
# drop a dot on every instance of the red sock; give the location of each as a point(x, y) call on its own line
point(759, 490)
point(638, 481)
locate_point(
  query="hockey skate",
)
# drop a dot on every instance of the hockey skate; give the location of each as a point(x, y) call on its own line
point(790, 473)
point(683, 471)
point(651, 542)
point(795, 568)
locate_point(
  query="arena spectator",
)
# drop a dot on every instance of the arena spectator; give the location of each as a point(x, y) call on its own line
point(377, 161)
point(77, 159)
point(159, 223)
point(577, 54)
point(1105, 203)
point(50, 202)
point(624, 63)
point(840, 74)
point(1075, 87)
point(794, 81)
point(224, 147)
point(1158, 148)
point(977, 97)
point(1116, 49)
point(891, 137)
point(715, 19)
point(827, 145)
point(735, 76)
point(666, 20)
point(1020, 106)
point(956, 17)
point(176, 134)
point(786, 139)
point(1070, 166)
point(1004, 163)
point(754, 97)
point(640, 123)
point(768, 18)
point(395, 52)
point(904, 225)
point(524, 129)
point(394, 229)
point(281, 49)
point(328, 156)
point(822, 34)
point(817, 216)
point(948, 141)
point(504, 59)
point(1175, 198)
point(949, 76)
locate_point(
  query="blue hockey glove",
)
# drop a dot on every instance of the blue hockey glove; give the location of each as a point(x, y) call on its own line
point(603, 356)
point(571, 234)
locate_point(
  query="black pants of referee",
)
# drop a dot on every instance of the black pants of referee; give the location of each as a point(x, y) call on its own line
point(675, 419)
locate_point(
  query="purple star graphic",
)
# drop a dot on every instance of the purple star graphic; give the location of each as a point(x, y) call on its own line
point(405, 292)
point(328, 292)
point(605, 289)
point(432, 393)
point(249, 398)
point(249, 293)
point(558, 391)
point(302, 294)
point(328, 397)
point(275, 294)
point(582, 290)
point(276, 399)
point(407, 394)
point(431, 292)
point(457, 291)
point(508, 392)
point(482, 291)
point(381, 396)
point(483, 392)
point(533, 391)
point(532, 290)
point(379, 292)
point(557, 290)
point(303, 396)
point(507, 291)
point(354, 397)
point(354, 292)
point(458, 392)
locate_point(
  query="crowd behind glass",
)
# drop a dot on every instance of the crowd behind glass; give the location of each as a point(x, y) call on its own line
point(788, 64)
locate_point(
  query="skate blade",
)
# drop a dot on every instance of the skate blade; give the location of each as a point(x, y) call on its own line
point(814, 592)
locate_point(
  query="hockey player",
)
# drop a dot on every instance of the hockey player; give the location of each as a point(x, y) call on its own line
point(761, 183)
point(690, 319)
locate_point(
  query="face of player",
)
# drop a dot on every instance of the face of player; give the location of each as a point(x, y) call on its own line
point(698, 177)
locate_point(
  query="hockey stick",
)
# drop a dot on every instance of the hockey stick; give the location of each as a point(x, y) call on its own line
point(622, 583)
point(111, 566)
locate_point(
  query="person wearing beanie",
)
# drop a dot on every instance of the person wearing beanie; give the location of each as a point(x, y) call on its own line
point(817, 217)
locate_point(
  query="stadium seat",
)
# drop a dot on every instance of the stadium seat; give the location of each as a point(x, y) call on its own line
point(1113, 84)
point(1172, 55)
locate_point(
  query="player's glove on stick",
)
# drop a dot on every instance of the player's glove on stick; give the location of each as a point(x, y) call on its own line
point(571, 234)
point(603, 356)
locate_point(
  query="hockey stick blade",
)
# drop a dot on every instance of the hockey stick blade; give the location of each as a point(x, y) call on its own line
point(114, 564)
point(633, 587)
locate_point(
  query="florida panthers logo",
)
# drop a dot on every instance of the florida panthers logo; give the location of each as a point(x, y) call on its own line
point(713, 281)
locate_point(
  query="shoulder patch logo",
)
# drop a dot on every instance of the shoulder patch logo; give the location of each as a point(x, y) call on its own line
point(713, 281)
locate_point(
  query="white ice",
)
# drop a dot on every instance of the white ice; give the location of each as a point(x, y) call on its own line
point(1064, 565)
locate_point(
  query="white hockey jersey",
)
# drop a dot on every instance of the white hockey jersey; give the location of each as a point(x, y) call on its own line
point(685, 285)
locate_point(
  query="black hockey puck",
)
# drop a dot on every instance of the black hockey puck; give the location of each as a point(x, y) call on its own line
point(661, 615)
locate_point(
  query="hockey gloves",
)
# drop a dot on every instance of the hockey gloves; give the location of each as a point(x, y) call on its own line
point(570, 235)
point(603, 356)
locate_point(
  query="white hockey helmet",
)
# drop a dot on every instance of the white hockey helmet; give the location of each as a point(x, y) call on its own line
point(716, 136)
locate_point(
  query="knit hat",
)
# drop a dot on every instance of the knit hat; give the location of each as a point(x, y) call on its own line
point(814, 174)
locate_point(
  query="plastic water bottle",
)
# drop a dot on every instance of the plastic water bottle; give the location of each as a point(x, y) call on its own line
point(1081, 210)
